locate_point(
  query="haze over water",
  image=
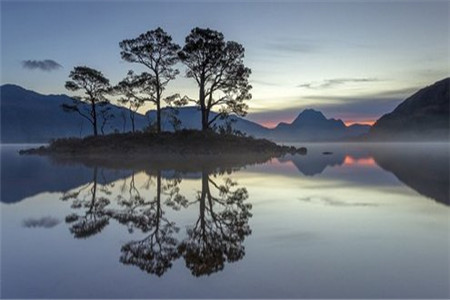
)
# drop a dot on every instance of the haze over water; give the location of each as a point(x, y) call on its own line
point(366, 221)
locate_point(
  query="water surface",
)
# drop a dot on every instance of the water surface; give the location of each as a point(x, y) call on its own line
point(366, 221)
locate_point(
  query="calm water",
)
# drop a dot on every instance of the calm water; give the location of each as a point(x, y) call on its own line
point(366, 221)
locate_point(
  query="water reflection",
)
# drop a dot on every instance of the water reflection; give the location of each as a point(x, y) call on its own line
point(91, 199)
point(424, 168)
point(214, 239)
point(220, 229)
point(156, 252)
point(149, 223)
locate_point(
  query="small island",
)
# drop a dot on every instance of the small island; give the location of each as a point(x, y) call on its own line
point(178, 144)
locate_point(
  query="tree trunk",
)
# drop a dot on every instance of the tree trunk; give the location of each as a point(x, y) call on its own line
point(132, 116)
point(94, 118)
point(202, 206)
point(158, 104)
point(158, 117)
point(158, 199)
point(203, 108)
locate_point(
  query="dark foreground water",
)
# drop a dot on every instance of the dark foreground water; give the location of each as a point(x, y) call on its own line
point(367, 221)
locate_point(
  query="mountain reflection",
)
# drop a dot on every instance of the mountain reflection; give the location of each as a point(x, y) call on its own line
point(206, 245)
point(423, 168)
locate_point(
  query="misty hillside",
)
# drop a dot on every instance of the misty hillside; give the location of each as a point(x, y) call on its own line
point(424, 115)
point(29, 117)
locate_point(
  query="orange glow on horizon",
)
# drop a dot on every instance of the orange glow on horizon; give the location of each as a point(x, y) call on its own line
point(361, 161)
point(273, 124)
point(270, 124)
point(367, 122)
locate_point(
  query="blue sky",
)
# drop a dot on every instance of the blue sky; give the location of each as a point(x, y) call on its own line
point(353, 60)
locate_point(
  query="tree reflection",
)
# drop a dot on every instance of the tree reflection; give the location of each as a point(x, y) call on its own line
point(216, 238)
point(155, 253)
point(220, 230)
point(93, 219)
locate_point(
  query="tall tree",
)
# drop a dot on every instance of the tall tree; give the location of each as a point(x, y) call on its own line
point(155, 50)
point(95, 86)
point(134, 91)
point(218, 68)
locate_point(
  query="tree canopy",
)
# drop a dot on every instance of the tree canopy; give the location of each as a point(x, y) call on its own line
point(217, 67)
point(95, 87)
point(155, 50)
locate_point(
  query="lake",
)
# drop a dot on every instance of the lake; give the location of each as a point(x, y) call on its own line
point(364, 221)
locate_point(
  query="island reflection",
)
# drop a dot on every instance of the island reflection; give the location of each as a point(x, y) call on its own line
point(206, 245)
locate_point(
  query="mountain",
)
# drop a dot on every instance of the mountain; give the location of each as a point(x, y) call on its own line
point(29, 117)
point(423, 116)
point(312, 125)
point(191, 119)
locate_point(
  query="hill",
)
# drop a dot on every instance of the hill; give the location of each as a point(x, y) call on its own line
point(423, 116)
point(312, 125)
point(30, 117)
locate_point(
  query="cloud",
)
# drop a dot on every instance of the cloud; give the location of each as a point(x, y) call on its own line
point(43, 65)
point(359, 107)
point(263, 82)
point(44, 222)
point(294, 45)
point(333, 202)
point(334, 82)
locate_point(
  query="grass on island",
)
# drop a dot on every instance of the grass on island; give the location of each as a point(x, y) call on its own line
point(184, 142)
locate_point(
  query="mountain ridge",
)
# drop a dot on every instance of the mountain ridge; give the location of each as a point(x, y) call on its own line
point(22, 109)
point(425, 115)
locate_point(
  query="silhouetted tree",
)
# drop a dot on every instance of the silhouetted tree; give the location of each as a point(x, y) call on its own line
point(220, 230)
point(217, 67)
point(135, 90)
point(94, 218)
point(107, 116)
point(95, 86)
point(155, 50)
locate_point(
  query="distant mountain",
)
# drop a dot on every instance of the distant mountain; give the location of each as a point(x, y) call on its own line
point(312, 125)
point(29, 117)
point(191, 119)
point(424, 116)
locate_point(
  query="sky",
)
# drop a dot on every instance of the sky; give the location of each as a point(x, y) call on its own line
point(352, 60)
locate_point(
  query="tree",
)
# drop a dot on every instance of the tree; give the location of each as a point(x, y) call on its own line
point(155, 50)
point(135, 90)
point(107, 116)
point(95, 86)
point(217, 67)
